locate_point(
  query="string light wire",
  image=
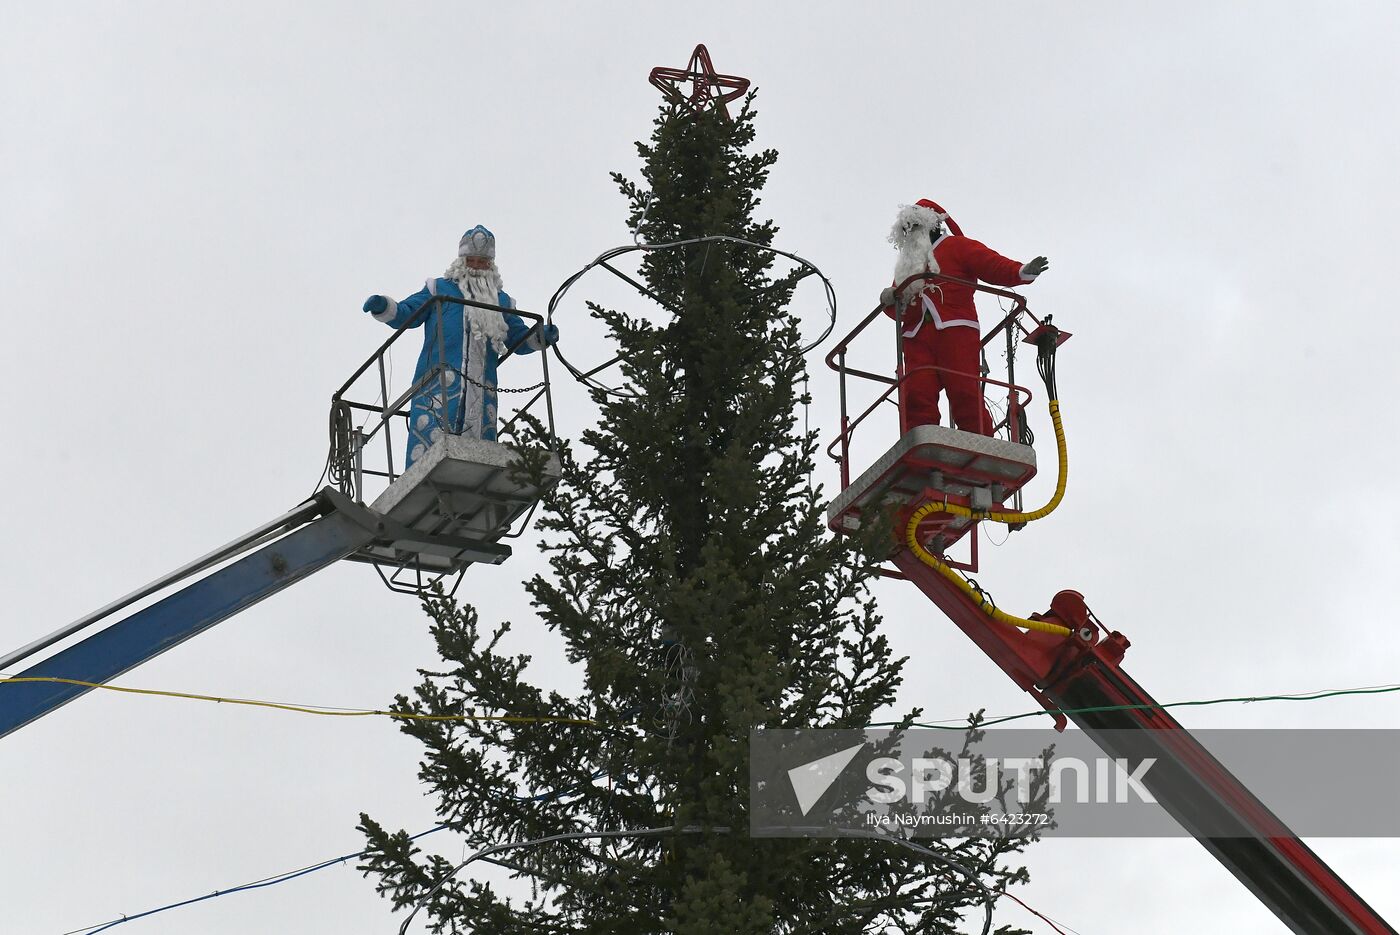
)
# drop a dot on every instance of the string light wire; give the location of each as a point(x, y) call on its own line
point(943, 724)
point(323, 710)
point(312, 868)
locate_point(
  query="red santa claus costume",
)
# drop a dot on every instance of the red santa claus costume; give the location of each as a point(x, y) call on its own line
point(939, 319)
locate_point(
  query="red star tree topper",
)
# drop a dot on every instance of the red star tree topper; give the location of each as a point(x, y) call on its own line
point(707, 89)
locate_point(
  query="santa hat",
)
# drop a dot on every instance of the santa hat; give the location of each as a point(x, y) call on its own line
point(920, 217)
point(477, 242)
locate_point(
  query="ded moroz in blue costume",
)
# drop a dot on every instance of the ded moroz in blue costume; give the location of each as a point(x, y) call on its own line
point(463, 402)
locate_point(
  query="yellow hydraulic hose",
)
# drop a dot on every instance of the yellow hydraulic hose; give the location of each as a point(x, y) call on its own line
point(990, 609)
point(928, 558)
point(1015, 516)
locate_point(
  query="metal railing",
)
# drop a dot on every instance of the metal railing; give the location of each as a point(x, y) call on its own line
point(356, 451)
point(1011, 327)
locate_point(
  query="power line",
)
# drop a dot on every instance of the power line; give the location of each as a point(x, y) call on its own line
point(1046, 919)
point(484, 854)
point(961, 723)
point(511, 845)
point(951, 724)
point(303, 871)
point(323, 710)
point(256, 884)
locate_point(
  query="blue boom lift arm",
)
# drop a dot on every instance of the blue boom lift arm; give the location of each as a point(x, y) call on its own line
point(328, 527)
point(449, 510)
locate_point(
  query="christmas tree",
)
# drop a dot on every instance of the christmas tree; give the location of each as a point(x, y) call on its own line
point(693, 580)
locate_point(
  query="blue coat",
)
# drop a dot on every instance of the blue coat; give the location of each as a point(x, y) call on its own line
point(430, 414)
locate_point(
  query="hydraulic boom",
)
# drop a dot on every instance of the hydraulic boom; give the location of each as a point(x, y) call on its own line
point(1083, 671)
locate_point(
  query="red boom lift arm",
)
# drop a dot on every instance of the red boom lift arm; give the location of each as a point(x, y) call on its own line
point(1078, 675)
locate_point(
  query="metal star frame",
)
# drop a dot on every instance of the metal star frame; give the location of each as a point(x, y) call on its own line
point(708, 89)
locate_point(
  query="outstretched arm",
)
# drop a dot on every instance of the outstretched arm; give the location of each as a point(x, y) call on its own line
point(397, 314)
point(991, 267)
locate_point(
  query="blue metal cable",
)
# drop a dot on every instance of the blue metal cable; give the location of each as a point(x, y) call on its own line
point(293, 874)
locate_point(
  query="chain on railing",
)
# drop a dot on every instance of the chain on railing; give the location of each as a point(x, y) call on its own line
point(349, 443)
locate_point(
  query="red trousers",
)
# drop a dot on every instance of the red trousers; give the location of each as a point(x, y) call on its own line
point(958, 351)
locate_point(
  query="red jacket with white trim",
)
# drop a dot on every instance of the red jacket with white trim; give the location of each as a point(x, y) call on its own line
point(949, 304)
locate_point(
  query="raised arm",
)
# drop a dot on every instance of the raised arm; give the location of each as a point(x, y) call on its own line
point(991, 267)
point(397, 314)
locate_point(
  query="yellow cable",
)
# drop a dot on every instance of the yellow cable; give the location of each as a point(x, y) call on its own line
point(928, 558)
point(302, 709)
point(1015, 516)
point(986, 605)
point(924, 555)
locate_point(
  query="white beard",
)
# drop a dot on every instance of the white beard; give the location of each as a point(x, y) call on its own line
point(481, 285)
point(915, 257)
point(480, 326)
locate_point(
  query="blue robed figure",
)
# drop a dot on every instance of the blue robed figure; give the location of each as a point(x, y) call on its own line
point(462, 400)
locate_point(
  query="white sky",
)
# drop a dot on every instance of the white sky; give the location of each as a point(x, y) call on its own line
point(195, 199)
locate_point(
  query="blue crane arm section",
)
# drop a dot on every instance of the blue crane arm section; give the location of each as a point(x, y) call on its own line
point(341, 528)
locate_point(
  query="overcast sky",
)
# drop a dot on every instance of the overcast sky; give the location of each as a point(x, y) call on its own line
point(196, 198)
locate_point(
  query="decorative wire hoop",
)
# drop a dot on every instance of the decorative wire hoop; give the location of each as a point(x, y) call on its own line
point(586, 377)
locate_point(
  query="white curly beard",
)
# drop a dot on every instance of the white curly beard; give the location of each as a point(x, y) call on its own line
point(481, 285)
point(915, 257)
